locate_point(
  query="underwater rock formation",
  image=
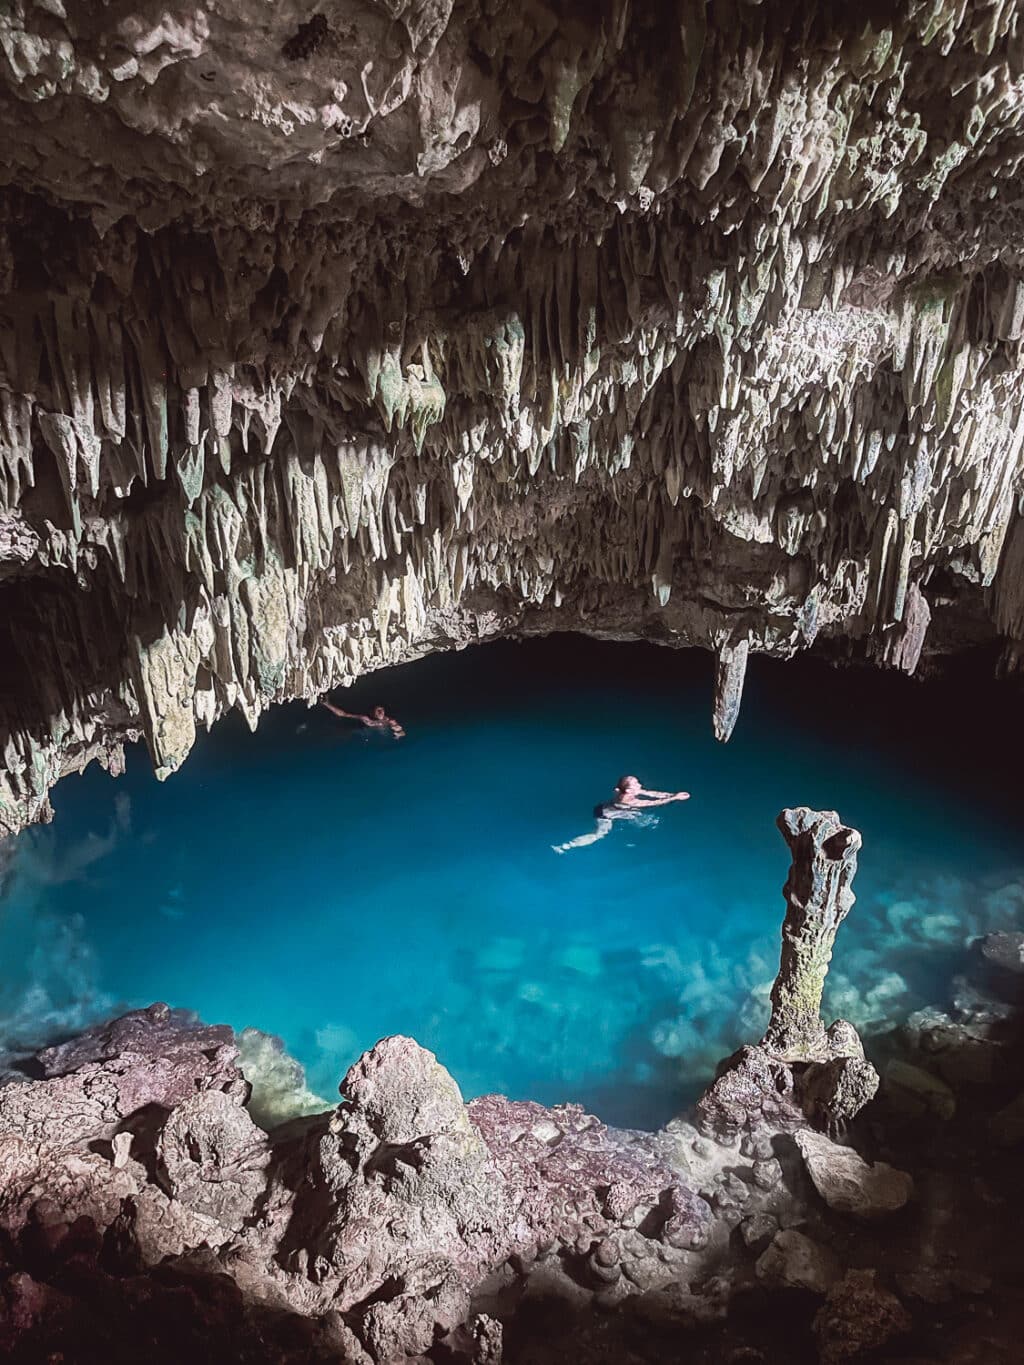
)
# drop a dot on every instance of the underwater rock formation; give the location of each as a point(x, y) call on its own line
point(800, 1068)
point(329, 338)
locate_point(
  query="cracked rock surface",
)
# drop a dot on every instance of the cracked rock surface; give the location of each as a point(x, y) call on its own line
point(332, 336)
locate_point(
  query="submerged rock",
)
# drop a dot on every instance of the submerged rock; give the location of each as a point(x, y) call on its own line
point(278, 1081)
point(1004, 950)
point(847, 1183)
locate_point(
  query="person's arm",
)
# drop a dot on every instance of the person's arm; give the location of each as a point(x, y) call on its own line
point(396, 729)
point(348, 715)
point(660, 801)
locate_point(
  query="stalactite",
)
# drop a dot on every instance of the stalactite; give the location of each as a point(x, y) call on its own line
point(700, 369)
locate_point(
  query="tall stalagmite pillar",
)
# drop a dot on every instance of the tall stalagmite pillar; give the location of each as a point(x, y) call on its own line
point(819, 895)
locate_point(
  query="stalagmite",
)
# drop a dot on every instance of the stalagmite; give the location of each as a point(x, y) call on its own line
point(800, 1070)
point(819, 895)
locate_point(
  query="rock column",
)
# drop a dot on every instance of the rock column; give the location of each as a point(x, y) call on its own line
point(819, 895)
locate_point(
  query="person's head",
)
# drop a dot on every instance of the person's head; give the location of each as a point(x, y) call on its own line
point(626, 785)
point(379, 713)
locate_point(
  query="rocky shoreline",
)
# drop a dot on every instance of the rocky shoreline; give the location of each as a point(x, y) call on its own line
point(143, 1211)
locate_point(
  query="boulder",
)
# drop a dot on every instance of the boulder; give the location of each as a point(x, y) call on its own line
point(918, 1093)
point(404, 1092)
point(212, 1158)
point(793, 1261)
point(857, 1317)
point(847, 1183)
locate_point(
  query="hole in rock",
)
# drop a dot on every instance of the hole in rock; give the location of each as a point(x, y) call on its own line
point(331, 886)
point(307, 39)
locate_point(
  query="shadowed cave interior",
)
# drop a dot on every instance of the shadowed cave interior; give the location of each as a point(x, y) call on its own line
point(668, 354)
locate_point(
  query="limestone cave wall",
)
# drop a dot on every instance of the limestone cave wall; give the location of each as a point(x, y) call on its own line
point(334, 334)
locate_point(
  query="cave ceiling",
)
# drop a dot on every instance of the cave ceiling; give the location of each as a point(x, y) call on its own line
point(331, 335)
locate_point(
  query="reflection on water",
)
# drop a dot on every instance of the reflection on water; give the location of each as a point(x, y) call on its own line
point(330, 891)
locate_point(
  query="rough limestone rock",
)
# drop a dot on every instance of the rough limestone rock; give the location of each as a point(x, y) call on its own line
point(793, 1261)
point(386, 1213)
point(819, 896)
point(162, 1035)
point(847, 1183)
point(211, 1158)
point(857, 1317)
point(389, 1210)
point(332, 337)
point(800, 1069)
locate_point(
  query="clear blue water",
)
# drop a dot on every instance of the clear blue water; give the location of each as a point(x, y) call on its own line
point(331, 886)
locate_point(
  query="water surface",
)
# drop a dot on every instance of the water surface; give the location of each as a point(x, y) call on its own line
point(332, 886)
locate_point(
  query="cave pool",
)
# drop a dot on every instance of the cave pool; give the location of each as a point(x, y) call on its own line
point(330, 886)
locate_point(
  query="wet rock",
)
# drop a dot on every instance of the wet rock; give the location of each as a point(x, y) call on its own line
point(917, 1092)
point(793, 1261)
point(962, 1051)
point(847, 1183)
point(857, 1317)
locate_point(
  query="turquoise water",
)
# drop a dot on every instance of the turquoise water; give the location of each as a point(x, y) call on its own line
point(331, 886)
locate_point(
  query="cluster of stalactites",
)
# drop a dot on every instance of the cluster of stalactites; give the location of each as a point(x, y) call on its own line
point(280, 548)
point(727, 394)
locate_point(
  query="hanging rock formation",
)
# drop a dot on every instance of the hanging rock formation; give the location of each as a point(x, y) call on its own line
point(332, 336)
point(800, 1069)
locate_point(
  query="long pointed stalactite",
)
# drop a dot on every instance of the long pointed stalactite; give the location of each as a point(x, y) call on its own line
point(328, 339)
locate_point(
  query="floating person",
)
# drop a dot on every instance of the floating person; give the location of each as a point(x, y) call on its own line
point(377, 720)
point(629, 800)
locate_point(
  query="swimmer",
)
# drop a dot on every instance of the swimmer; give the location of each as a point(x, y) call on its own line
point(377, 720)
point(630, 797)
